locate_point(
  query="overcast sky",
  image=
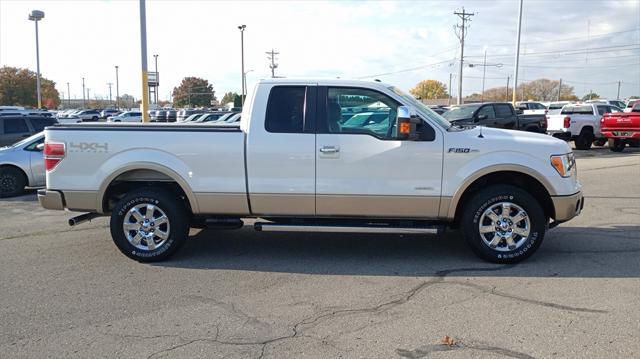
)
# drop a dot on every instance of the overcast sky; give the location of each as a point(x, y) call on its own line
point(589, 44)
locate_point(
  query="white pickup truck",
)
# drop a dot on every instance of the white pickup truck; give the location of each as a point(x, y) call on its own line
point(324, 156)
point(580, 123)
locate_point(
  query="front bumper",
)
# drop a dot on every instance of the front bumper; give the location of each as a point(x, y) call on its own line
point(50, 199)
point(567, 207)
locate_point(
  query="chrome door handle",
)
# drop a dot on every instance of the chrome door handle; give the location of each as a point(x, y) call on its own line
point(329, 149)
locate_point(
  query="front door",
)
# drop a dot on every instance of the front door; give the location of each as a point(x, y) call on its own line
point(362, 170)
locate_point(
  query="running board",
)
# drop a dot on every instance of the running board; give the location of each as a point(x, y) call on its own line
point(276, 227)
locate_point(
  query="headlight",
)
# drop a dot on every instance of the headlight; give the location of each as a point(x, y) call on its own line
point(564, 164)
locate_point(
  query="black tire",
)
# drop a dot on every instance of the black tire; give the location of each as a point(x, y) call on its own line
point(12, 182)
point(474, 211)
point(617, 145)
point(599, 142)
point(164, 202)
point(584, 140)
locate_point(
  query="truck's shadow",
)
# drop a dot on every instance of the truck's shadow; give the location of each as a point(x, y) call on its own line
point(567, 252)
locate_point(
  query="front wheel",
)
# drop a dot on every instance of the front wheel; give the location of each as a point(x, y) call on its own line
point(503, 224)
point(149, 225)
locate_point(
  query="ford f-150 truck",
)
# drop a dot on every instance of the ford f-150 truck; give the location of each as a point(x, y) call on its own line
point(323, 155)
point(622, 128)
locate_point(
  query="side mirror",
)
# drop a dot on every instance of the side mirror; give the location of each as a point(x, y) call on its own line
point(406, 124)
point(40, 147)
point(481, 117)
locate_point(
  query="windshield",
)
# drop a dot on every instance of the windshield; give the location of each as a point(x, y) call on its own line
point(421, 108)
point(460, 112)
point(26, 140)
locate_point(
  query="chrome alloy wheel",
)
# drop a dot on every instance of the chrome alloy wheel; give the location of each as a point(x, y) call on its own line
point(146, 227)
point(504, 226)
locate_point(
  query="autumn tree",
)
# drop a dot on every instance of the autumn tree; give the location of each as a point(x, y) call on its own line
point(193, 92)
point(18, 88)
point(590, 96)
point(429, 89)
point(229, 97)
point(537, 90)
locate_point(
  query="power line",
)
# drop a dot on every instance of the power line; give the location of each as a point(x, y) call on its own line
point(271, 55)
point(574, 51)
point(406, 70)
point(566, 39)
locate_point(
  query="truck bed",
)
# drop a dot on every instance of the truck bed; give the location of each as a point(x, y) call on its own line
point(207, 159)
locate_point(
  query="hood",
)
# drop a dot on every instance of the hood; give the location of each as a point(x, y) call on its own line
point(495, 139)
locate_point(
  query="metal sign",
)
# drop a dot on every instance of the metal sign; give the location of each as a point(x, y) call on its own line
point(153, 79)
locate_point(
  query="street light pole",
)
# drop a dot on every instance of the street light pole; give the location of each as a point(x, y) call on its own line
point(143, 55)
point(84, 104)
point(515, 71)
point(157, 79)
point(484, 71)
point(117, 90)
point(68, 96)
point(241, 28)
point(35, 16)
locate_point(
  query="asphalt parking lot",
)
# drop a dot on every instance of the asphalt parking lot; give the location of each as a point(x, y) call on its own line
point(68, 292)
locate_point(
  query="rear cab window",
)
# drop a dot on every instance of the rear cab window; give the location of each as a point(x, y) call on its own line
point(503, 110)
point(285, 109)
point(577, 110)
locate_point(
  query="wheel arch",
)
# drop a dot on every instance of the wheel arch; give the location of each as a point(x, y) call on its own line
point(143, 174)
point(522, 177)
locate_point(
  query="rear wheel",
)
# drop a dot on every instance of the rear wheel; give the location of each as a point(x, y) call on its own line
point(149, 225)
point(617, 145)
point(503, 224)
point(584, 140)
point(12, 182)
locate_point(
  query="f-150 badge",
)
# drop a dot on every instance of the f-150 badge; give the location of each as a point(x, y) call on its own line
point(461, 150)
point(89, 147)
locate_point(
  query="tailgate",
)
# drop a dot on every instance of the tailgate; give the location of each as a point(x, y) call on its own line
point(555, 123)
point(627, 121)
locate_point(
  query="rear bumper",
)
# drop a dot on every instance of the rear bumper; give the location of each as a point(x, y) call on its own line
point(631, 134)
point(50, 199)
point(567, 207)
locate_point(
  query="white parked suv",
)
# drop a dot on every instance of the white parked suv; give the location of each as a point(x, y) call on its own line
point(531, 108)
point(297, 163)
point(580, 123)
point(128, 116)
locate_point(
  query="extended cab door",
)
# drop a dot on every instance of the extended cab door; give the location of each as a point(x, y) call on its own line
point(280, 150)
point(362, 170)
point(505, 116)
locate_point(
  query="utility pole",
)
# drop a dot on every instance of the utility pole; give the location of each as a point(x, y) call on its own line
point(590, 93)
point(464, 16)
point(143, 55)
point(109, 84)
point(559, 90)
point(88, 91)
point(506, 96)
point(155, 91)
point(117, 90)
point(484, 71)
point(515, 74)
point(68, 96)
point(84, 103)
point(450, 76)
point(271, 55)
point(241, 28)
point(618, 96)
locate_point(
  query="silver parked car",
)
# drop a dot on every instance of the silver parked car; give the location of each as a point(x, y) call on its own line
point(21, 165)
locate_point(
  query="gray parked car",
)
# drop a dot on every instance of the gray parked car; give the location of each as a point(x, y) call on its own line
point(22, 164)
point(16, 128)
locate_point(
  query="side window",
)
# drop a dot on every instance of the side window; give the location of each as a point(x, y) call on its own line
point(487, 110)
point(32, 146)
point(16, 125)
point(503, 110)
point(40, 123)
point(361, 111)
point(285, 109)
point(613, 109)
point(603, 109)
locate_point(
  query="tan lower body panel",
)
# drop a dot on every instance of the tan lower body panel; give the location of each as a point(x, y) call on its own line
point(445, 211)
point(222, 203)
point(82, 201)
point(378, 206)
point(283, 204)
